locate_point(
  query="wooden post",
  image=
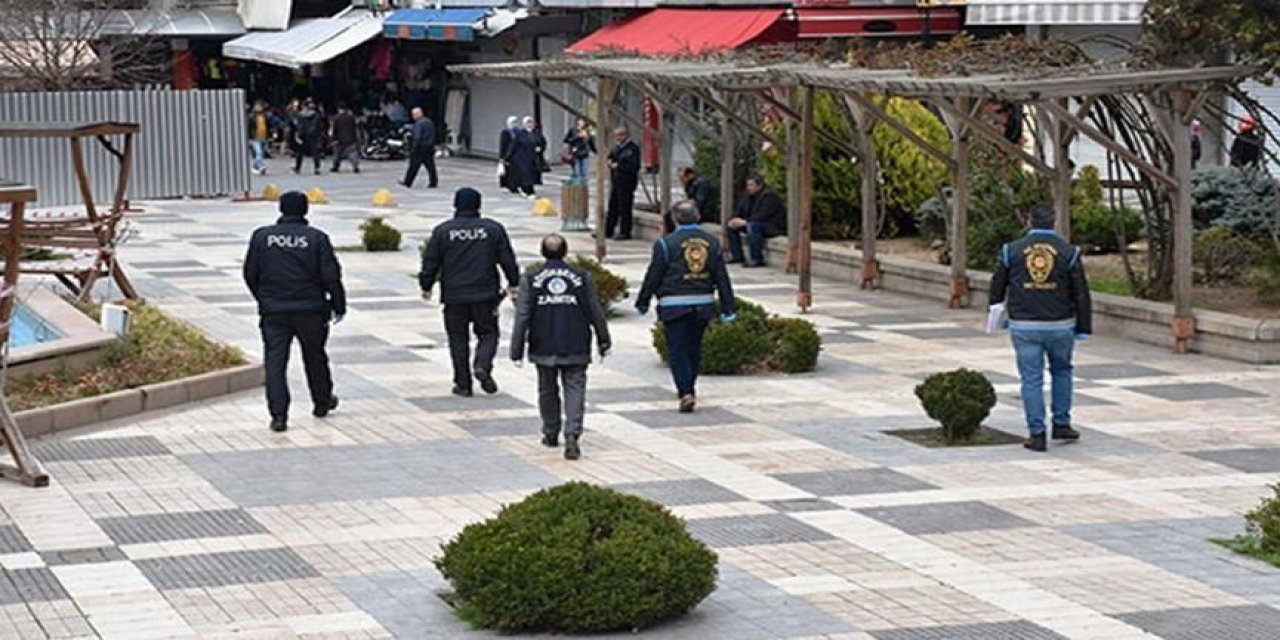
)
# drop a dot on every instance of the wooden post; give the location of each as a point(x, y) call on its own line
point(1184, 321)
point(863, 127)
point(118, 208)
point(959, 289)
point(794, 171)
point(728, 155)
point(667, 142)
point(1060, 136)
point(604, 142)
point(804, 298)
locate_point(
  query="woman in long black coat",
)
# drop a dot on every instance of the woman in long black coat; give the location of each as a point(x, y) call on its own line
point(539, 148)
point(522, 167)
point(506, 144)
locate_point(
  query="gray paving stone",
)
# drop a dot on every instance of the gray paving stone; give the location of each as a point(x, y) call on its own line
point(363, 340)
point(480, 402)
point(91, 555)
point(667, 418)
point(162, 527)
point(202, 571)
point(51, 450)
point(388, 305)
point(942, 333)
point(502, 427)
point(620, 395)
point(373, 472)
point(840, 337)
point(169, 264)
point(1017, 630)
point(224, 298)
point(1192, 392)
point(840, 482)
point(1247, 460)
point(743, 531)
point(18, 586)
point(185, 274)
point(373, 356)
point(1116, 371)
point(883, 319)
point(676, 493)
point(802, 504)
point(12, 540)
point(946, 517)
point(1214, 623)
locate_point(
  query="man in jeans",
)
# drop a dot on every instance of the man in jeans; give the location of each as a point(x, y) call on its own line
point(1040, 279)
point(686, 272)
point(761, 215)
point(259, 126)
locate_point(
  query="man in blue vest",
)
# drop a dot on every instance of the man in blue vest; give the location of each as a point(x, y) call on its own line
point(1040, 279)
point(686, 272)
point(556, 311)
point(295, 277)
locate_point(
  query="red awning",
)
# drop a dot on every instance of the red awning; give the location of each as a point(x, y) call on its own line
point(877, 21)
point(688, 31)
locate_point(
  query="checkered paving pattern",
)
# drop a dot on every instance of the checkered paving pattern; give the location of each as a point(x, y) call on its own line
point(200, 522)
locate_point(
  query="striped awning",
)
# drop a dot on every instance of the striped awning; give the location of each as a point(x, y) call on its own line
point(308, 41)
point(999, 13)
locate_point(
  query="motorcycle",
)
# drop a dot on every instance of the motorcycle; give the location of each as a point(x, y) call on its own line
point(387, 142)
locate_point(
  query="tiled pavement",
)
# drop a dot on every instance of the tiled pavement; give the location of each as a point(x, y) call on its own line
point(201, 522)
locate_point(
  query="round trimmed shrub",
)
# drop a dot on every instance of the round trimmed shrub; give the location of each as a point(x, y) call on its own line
point(1221, 256)
point(377, 235)
point(960, 400)
point(1263, 522)
point(610, 287)
point(754, 342)
point(796, 347)
point(577, 558)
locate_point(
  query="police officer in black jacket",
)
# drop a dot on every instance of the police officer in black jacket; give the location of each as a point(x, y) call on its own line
point(624, 177)
point(466, 253)
point(295, 277)
point(556, 310)
point(1040, 279)
point(686, 272)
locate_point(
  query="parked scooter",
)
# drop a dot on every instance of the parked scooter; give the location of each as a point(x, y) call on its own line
point(386, 141)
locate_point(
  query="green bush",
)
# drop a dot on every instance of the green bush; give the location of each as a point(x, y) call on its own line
point(610, 287)
point(755, 341)
point(1265, 281)
point(1246, 202)
point(706, 161)
point(1221, 256)
point(577, 558)
point(960, 400)
point(377, 235)
point(932, 216)
point(1095, 226)
point(1263, 523)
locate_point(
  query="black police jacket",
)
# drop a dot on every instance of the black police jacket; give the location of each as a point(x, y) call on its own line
point(466, 252)
point(555, 312)
point(685, 272)
point(1041, 280)
point(291, 267)
point(627, 156)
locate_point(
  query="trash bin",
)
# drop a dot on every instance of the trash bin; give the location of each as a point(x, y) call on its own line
point(574, 205)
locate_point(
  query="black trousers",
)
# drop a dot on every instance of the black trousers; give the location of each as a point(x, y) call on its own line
point(308, 148)
point(459, 321)
point(311, 328)
point(417, 161)
point(622, 196)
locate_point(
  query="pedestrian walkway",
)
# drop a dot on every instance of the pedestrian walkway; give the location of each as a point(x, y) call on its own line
point(200, 522)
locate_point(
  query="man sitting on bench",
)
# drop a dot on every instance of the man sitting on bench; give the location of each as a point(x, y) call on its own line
point(761, 215)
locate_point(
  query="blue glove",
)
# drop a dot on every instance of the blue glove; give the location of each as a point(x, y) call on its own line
point(1081, 337)
point(728, 318)
point(642, 309)
point(338, 318)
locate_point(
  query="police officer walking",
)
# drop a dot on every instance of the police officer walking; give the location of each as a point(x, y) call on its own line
point(556, 310)
point(295, 277)
point(686, 271)
point(1040, 279)
point(466, 253)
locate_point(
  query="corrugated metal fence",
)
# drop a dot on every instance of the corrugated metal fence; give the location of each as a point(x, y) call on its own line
point(192, 143)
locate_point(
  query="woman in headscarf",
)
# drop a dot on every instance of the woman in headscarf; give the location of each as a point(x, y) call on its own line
point(539, 142)
point(506, 145)
point(522, 162)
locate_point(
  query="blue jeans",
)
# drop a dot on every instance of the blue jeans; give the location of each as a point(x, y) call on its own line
point(755, 241)
point(1031, 348)
point(684, 350)
point(259, 154)
point(579, 167)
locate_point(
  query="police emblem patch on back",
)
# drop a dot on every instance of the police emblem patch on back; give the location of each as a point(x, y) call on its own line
point(1040, 259)
point(695, 255)
point(557, 286)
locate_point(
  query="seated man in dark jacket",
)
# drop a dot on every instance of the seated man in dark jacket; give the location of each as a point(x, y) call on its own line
point(703, 194)
point(760, 215)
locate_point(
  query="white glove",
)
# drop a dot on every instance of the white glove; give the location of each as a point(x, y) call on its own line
point(519, 364)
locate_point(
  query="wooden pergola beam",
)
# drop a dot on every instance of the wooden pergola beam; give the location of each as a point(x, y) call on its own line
point(558, 101)
point(990, 134)
point(608, 92)
point(1105, 141)
point(821, 133)
point(729, 113)
point(875, 110)
point(804, 297)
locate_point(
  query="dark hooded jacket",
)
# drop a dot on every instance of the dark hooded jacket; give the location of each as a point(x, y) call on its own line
point(465, 253)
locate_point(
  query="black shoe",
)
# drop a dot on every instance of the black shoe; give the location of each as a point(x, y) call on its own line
point(688, 404)
point(356, 170)
point(322, 410)
point(462, 391)
point(1065, 433)
point(317, 172)
point(571, 450)
point(550, 440)
point(279, 425)
point(752, 265)
point(433, 186)
point(1035, 443)
point(624, 237)
point(486, 382)
point(403, 184)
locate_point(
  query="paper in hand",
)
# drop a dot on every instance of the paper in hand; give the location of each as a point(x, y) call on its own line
point(997, 320)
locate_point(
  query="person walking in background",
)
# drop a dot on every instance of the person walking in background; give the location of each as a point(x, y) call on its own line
point(539, 143)
point(1196, 146)
point(466, 252)
point(293, 274)
point(423, 152)
point(761, 215)
point(624, 177)
point(308, 135)
point(1041, 281)
point(556, 311)
point(522, 162)
point(346, 139)
point(580, 144)
point(259, 125)
point(1246, 149)
point(685, 273)
point(506, 144)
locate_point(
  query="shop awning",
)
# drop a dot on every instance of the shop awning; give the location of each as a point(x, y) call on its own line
point(688, 31)
point(180, 23)
point(1054, 12)
point(306, 42)
point(877, 22)
point(449, 25)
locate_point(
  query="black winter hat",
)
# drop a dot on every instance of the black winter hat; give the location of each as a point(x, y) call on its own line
point(466, 199)
point(293, 203)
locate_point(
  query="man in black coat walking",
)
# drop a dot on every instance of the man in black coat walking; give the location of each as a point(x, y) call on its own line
point(760, 215)
point(308, 136)
point(295, 277)
point(346, 139)
point(556, 311)
point(423, 152)
point(624, 177)
point(466, 253)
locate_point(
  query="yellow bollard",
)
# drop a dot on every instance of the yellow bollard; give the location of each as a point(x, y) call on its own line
point(316, 196)
point(271, 192)
point(543, 207)
point(382, 198)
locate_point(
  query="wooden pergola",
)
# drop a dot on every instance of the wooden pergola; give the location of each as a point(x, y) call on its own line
point(1062, 99)
point(14, 197)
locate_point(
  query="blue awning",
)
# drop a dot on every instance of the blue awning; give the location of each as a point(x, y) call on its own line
point(448, 24)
